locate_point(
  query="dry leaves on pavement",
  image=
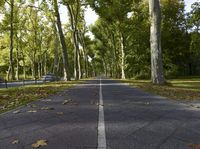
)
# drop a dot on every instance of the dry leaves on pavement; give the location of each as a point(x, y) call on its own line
point(66, 101)
point(39, 143)
point(15, 142)
point(16, 112)
point(32, 111)
point(46, 100)
point(47, 108)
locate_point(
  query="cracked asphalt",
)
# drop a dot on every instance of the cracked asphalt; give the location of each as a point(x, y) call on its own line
point(133, 120)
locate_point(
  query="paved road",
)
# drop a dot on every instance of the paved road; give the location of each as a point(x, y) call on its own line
point(20, 83)
point(132, 119)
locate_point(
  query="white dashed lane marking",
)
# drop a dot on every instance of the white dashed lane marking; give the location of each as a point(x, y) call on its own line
point(101, 123)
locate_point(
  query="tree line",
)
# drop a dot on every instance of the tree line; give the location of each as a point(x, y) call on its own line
point(140, 39)
point(122, 35)
point(34, 41)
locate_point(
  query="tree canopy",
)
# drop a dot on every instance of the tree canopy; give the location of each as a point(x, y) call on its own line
point(34, 41)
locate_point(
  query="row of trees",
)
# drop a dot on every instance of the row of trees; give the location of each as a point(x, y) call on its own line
point(122, 39)
point(34, 41)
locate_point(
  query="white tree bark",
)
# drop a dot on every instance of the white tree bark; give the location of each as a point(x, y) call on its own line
point(157, 76)
point(122, 59)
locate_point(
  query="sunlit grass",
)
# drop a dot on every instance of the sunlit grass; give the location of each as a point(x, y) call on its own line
point(179, 89)
point(17, 96)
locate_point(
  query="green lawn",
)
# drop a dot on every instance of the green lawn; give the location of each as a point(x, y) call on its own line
point(13, 97)
point(179, 89)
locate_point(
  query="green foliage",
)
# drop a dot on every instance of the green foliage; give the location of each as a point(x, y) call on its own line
point(180, 38)
point(36, 38)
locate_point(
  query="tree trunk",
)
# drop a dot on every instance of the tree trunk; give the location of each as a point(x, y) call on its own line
point(115, 63)
point(79, 65)
point(11, 67)
point(75, 40)
point(81, 37)
point(64, 47)
point(45, 63)
point(157, 75)
point(24, 67)
point(17, 70)
point(56, 40)
point(34, 65)
point(122, 58)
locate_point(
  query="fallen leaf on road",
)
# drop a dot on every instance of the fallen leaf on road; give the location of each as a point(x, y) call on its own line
point(65, 102)
point(32, 111)
point(39, 143)
point(46, 100)
point(15, 142)
point(16, 112)
point(194, 146)
point(59, 113)
point(47, 108)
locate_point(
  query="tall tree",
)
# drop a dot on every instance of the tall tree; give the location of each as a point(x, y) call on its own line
point(11, 66)
point(157, 75)
point(63, 43)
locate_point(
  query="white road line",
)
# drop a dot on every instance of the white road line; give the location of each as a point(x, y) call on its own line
point(101, 124)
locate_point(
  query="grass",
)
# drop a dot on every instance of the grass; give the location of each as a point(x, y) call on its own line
point(17, 96)
point(178, 89)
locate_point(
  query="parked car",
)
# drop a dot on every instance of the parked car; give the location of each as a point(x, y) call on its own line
point(49, 77)
point(1, 80)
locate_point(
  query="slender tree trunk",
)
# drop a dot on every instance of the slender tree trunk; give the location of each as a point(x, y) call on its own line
point(157, 75)
point(75, 41)
point(39, 69)
point(77, 35)
point(79, 65)
point(62, 39)
point(122, 58)
point(45, 63)
point(56, 40)
point(84, 54)
point(24, 67)
point(115, 63)
point(17, 70)
point(34, 65)
point(33, 70)
point(11, 67)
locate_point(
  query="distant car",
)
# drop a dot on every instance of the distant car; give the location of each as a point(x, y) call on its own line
point(1, 80)
point(49, 77)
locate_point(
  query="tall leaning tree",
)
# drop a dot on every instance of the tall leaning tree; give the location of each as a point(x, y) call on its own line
point(157, 75)
point(11, 66)
point(63, 43)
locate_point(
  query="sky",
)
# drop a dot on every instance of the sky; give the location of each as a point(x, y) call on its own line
point(90, 15)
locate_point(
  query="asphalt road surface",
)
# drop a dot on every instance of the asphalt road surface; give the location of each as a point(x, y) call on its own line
point(102, 114)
